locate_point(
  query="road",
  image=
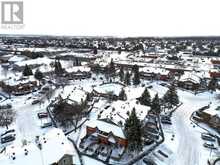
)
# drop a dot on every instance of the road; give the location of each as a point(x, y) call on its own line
point(189, 150)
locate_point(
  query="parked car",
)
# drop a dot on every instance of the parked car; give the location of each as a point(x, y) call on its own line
point(166, 120)
point(8, 132)
point(162, 153)
point(150, 86)
point(42, 115)
point(8, 138)
point(45, 125)
point(209, 145)
point(148, 141)
point(148, 161)
point(35, 102)
point(163, 84)
point(207, 136)
point(42, 92)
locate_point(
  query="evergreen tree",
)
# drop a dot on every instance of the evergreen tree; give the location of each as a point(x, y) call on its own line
point(95, 51)
point(145, 98)
point(112, 67)
point(38, 75)
point(27, 71)
point(58, 67)
point(119, 50)
point(122, 95)
point(155, 105)
point(136, 78)
point(121, 74)
point(127, 78)
point(171, 98)
point(133, 132)
point(212, 84)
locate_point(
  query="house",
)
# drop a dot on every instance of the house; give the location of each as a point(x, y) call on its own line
point(106, 132)
point(154, 73)
point(65, 160)
point(213, 116)
point(16, 58)
point(32, 63)
point(5, 58)
point(119, 111)
point(210, 116)
point(51, 148)
point(19, 86)
point(190, 81)
point(215, 121)
point(216, 63)
point(214, 73)
point(78, 72)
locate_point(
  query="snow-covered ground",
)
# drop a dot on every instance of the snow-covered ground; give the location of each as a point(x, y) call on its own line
point(182, 143)
point(187, 144)
point(89, 161)
point(190, 148)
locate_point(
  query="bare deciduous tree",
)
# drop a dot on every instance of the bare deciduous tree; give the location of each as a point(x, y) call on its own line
point(7, 116)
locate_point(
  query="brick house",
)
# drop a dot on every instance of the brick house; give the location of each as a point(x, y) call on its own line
point(106, 133)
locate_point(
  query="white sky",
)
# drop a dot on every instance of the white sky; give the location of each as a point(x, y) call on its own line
point(120, 17)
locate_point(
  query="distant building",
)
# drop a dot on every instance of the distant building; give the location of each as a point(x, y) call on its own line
point(214, 73)
point(78, 72)
point(215, 63)
point(154, 73)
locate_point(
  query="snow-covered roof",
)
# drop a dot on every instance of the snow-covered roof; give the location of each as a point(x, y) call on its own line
point(48, 49)
point(19, 80)
point(38, 61)
point(204, 74)
point(78, 68)
point(213, 110)
point(119, 111)
point(54, 146)
point(154, 70)
point(190, 76)
point(108, 88)
point(16, 58)
point(106, 127)
point(74, 94)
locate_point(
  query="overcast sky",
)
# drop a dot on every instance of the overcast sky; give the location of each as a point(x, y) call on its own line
point(120, 18)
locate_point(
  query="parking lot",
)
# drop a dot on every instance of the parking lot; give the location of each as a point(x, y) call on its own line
point(27, 124)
